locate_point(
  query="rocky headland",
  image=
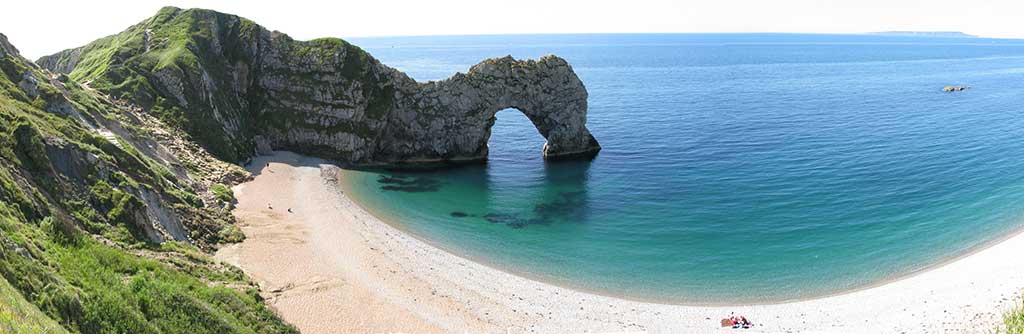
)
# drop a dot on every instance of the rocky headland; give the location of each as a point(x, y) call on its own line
point(239, 89)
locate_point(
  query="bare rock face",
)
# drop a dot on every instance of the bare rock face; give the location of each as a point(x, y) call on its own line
point(69, 57)
point(239, 89)
point(6, 49)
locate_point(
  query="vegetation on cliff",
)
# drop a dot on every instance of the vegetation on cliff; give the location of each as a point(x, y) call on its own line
point(211, 74)
point(99, 231)
point(167, 46)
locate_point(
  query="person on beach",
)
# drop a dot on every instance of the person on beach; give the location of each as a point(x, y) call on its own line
point(730, 321)
point(271, 207)
point(736, 322)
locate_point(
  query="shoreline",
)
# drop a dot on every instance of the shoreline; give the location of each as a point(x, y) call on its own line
point(344, 269)
point(1016, 232)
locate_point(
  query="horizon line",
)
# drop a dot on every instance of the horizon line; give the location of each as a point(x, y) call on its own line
point(884, 33)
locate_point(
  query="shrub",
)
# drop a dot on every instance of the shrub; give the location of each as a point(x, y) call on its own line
point(223, 193)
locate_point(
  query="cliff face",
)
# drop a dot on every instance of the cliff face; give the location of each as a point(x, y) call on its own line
point(236, 87)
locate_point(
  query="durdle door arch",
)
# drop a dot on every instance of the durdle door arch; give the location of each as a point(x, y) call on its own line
point(453, 117)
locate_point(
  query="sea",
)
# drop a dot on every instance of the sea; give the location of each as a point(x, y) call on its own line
point(736, 168)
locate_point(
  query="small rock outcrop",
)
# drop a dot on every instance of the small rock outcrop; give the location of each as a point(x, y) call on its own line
point(238, 88)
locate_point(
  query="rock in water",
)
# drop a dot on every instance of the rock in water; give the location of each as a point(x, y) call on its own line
point(237, 87)
point(949, 89)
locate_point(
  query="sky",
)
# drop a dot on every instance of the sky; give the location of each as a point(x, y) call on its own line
point(43, 27)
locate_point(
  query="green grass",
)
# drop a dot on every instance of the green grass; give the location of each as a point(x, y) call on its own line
point(1014, 321)
point(223, 193)
point(93, 288)
point(133, 295)
point(18, 316)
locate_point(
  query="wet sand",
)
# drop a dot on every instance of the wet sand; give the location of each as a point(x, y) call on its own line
point(330, 267)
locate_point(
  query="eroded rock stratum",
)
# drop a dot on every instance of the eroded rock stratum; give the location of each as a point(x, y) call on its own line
point(238, 88)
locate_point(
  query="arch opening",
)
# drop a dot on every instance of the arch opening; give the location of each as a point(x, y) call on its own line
point(512, 136)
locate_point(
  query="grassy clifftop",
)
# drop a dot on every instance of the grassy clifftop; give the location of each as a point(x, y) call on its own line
point(215, 75)
point(102, 226)
point(191, 52)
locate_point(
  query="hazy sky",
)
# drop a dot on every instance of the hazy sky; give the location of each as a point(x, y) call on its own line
point(42, 27)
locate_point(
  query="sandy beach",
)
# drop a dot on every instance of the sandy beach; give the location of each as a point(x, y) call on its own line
point(328, 266)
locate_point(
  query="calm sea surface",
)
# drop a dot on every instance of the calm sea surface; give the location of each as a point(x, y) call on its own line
point(737, 168)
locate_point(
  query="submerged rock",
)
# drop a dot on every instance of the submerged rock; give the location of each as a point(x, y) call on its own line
point(409, 184)
point(238, 88)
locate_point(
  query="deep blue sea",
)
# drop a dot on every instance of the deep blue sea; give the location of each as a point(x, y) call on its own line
point(737, 168)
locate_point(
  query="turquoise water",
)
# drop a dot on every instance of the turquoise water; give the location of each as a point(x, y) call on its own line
point(738, 168)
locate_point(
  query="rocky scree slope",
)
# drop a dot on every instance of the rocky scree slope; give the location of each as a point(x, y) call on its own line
point(238, 88)
point(105, 213)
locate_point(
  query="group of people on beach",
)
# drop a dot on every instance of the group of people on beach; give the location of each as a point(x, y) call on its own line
point(737, 322)
point(269, 206)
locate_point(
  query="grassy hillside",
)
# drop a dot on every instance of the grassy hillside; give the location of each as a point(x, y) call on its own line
point(101, 226)
point(223, 79)
point(170, 46)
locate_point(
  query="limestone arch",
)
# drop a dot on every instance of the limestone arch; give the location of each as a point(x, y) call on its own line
point(451, 119)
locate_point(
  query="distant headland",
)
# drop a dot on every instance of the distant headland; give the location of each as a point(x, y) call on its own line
point(937, 34)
